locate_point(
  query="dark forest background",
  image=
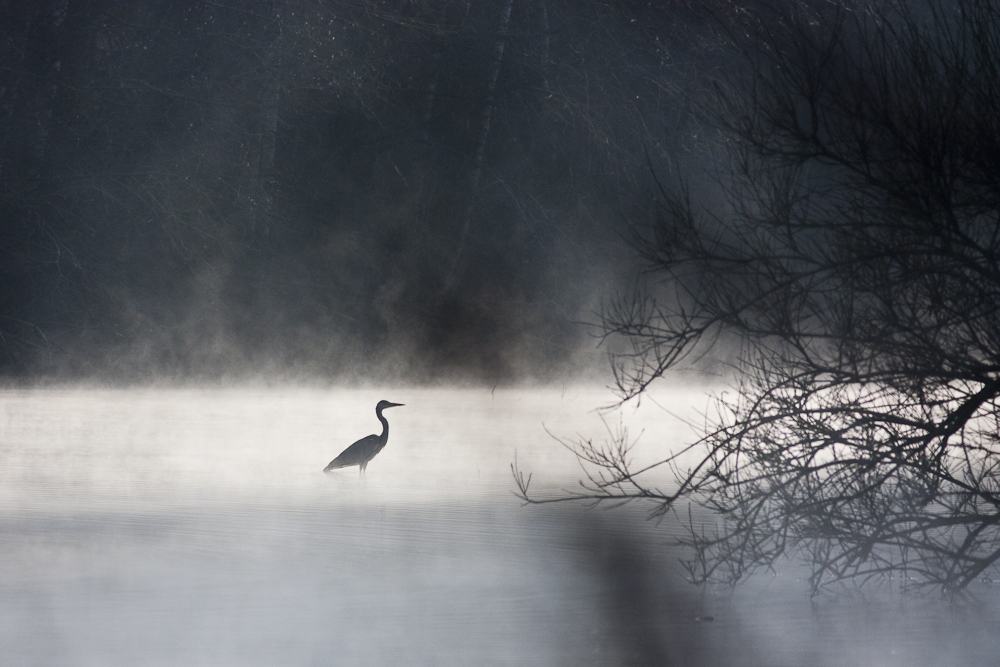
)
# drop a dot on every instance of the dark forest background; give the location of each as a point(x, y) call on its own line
point(430, 189)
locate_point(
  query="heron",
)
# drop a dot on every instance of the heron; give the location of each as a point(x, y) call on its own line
point(365, 449)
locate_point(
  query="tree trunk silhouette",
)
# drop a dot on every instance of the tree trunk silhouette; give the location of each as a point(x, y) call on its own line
point(267, 128)
point(429, 94)
point(484, 133)
point(51, 20)
point(544, 4)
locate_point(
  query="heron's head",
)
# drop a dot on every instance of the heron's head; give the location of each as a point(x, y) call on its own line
point(382, 405)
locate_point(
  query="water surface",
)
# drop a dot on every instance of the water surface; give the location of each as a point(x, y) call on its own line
point(195, 527)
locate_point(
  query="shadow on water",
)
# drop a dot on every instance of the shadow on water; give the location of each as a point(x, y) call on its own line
point(649, 618)
point(649, 614)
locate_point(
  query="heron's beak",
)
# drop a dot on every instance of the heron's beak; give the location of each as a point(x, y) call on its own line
point(395, 405)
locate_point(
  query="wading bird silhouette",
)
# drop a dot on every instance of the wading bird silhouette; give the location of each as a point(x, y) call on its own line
point(365, 449)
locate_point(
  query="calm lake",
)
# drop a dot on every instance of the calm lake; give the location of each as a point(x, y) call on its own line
point(195, 527)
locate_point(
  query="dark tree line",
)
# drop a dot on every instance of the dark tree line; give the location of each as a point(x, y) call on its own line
point(855, 267)
point(213, 188)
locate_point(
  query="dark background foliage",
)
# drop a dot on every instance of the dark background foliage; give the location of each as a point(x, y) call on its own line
point(223, 189)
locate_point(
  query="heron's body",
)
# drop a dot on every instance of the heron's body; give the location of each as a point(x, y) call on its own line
point(365, 449)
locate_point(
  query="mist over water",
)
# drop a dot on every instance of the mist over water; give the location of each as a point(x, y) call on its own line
point(193, 526)
point(240, 224)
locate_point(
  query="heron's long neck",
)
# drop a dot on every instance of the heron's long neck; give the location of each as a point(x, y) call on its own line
point(385, 426)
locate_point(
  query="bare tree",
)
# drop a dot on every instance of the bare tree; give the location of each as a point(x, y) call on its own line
point(856, 262)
